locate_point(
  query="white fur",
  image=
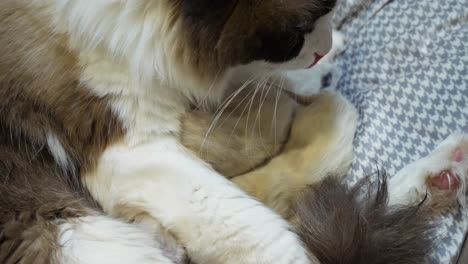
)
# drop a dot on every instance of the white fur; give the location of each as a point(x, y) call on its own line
point(126, 54)
point(215, 221)
point(308, 82)
point(58, 152)
point(99, 239)
point(409, 184)
point(338, 46)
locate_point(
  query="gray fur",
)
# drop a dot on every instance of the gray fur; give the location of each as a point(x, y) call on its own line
point(342, 225)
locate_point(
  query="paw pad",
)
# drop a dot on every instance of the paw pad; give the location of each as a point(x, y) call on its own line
point(446, 180)
point(458, 155)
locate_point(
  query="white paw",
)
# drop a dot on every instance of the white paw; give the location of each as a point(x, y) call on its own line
point(441, 176)
point(100, 239)
point(309, 81)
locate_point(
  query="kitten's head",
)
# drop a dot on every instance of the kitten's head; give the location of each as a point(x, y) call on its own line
point(196, 41)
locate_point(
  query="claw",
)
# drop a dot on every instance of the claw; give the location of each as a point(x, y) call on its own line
point(446, 180)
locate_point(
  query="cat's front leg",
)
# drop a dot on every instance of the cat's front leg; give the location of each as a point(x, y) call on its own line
point(439, 178)
point(209, 215)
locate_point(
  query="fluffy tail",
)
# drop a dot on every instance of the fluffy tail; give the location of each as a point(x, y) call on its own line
point(342, 225)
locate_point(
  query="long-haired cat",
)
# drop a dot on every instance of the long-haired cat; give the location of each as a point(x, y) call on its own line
point(92, 98)
point(92, 94)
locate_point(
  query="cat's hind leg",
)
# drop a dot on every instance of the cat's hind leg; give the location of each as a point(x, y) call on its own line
point(320, 145)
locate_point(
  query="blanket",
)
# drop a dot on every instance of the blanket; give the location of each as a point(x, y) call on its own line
point(405, 69)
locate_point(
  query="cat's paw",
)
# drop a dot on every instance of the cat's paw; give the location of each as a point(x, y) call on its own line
point(308, 82)
point(440, 177)
point(324, 131)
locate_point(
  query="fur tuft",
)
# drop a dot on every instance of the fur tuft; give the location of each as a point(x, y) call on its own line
point(343, 225)
point(31, 236)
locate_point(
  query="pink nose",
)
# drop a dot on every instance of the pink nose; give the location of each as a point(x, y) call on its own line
point(318, 57)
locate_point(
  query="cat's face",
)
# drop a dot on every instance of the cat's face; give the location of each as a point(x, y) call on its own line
point(266, 34)
point(194, 42)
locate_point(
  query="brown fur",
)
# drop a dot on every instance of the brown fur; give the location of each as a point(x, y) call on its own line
point(41, 91)
point(250, 131)
point(341, 227)
point(29, 240)
point(34, 199)
point(40, 94)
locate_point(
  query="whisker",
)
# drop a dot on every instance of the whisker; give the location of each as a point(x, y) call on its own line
point(241, 114)
point(258, 117)
point(237, 106)
point(203, 101)
point(251, 103)
point(221, 109)
point(261, 85)
point(243, 111)
point(275, 109)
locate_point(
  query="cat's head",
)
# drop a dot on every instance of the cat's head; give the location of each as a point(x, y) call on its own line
point(197, 41)
point(288, 34)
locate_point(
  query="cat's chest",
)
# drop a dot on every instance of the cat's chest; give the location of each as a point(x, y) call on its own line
point(147, 110)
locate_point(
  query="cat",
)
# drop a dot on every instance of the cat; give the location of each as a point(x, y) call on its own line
point(93, 96)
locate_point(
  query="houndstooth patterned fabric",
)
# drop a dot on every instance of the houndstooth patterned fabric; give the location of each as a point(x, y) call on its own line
point(405, 69)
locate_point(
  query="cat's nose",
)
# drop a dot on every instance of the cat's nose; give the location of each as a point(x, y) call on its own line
point(318, 57)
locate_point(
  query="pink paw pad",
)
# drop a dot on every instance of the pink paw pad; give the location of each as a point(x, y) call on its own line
point(446, 180)
point(458, 155)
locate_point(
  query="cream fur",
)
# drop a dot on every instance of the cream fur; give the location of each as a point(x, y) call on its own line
point(320, 145)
